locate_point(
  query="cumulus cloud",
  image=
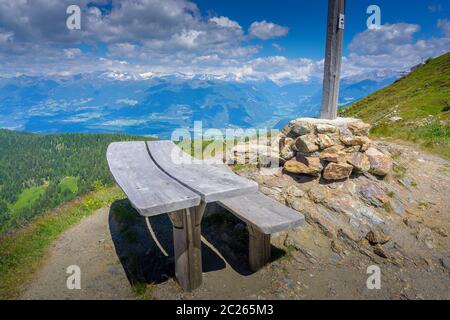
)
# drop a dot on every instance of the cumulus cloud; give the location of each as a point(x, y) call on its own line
point(391, 47)
point(267, 30)
point(384, 39)
point(166, 36)
point(444, 25)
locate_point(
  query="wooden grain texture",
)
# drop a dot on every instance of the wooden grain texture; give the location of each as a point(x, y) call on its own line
point(264, 213)
point(210, 182)
point(148, 188)
point(187, 247)
point(333, 60)
point(259, 249)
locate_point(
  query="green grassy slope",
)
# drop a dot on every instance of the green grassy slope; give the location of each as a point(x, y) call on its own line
point(421, 99)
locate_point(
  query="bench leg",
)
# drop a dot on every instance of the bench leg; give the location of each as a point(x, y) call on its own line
point(259, 248)
point(187, 246)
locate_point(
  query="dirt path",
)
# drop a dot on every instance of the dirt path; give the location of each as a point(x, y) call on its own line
point(120, 259)
point(89, 246)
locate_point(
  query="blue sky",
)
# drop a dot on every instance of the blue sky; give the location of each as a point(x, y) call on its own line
point(282, 40)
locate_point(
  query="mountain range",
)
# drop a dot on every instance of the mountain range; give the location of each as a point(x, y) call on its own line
point(156, 104)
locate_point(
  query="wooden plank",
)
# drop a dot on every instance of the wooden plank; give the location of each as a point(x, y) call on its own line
point(149, 189)
point(264, 213)
point(333, 58)
point(187, 247)
point(210, 182)
point(259, 249)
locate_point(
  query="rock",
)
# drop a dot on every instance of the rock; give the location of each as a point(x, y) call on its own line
point(337, 171)
point(292, 241)
point(395, 119)
point(324, 141)
point(295, 203)
point(359, 161)
point(359, 128)
point(299, 128)
point(373, 195)
point(325, 128)
point(294, 191)
point(352, 149)
point(398, 207)
point(445, 263)
point(304, 165)
point(354, 140)
point(285, 141)
point(333, 154)
point(426, 236)
point(306, 144)
point(337, 248)
point(379, 251)
point(377, 237)
point(287, 153)
point(380, 164)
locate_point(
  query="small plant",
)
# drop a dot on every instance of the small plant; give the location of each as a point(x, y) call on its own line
point(388, 207)
point(144, 291)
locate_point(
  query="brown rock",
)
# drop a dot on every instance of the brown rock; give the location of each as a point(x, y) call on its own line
point(337, 171)
point(377, 237)
point(359, 128)
point(379, 251)
point(353, 149)
point(306, 144)
point(333, 154)
point(325, 128)
point(354, 140)
point(324, 141)
point(287, 153)
point(380, 164)
point(298, 128)
point(359, 161)
point(285, 141)
point(304, 165)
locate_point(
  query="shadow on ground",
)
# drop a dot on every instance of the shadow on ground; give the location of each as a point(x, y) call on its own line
point(143, 255)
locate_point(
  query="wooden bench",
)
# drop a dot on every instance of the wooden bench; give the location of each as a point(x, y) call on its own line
point(264, 217)
point(157, 181)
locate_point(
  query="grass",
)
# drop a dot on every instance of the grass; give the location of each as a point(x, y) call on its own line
point(27, 198)
point(69, 184)
point(22, 251)
point(421, 99)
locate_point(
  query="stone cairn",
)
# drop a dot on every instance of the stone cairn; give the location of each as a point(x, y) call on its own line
point(331, 149)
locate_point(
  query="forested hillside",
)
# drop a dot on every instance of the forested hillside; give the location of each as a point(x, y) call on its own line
point(39, 172)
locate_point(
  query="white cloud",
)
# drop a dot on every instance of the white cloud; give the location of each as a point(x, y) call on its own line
point(384, 39)
point(267, 30)
point(391, 47)
point(444, 25)
point(226, 22)
point(72, 53)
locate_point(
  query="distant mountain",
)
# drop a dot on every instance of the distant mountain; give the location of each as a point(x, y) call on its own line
point(156, 104)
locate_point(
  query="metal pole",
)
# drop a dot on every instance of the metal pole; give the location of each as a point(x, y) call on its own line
point(333, 58)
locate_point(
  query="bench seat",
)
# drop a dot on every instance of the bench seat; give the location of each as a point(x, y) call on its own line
point(264, 217)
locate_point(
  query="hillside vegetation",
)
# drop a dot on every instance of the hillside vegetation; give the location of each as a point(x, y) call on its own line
point(415, 108)
point(40, 172)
